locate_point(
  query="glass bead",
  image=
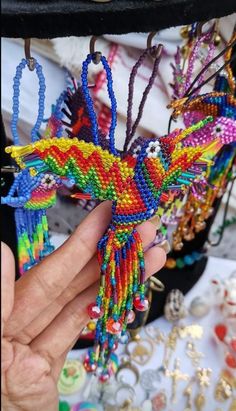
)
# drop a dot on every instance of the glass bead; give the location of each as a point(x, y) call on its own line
point(130, 317)
point(94, 311)
point(180, 263)
point(113, 327)
point(89, 367)
point(141, 305)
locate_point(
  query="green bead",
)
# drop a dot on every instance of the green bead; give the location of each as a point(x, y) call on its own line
point(179, 263)
point(64, 406)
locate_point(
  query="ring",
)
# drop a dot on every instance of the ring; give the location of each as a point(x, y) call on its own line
point(155, 284)
point(127, 365)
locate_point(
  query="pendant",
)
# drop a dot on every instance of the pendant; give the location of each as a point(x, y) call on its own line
point(140, 351)
point(149, 380)
point(72, 377)
point(159, 402)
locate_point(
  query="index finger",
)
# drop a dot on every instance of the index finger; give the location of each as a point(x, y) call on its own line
point(42, 284)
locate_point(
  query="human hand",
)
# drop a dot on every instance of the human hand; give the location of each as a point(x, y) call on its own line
point(44, 312)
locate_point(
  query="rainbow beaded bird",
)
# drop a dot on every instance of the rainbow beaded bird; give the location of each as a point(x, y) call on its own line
point(32, 194)
point(135, 183)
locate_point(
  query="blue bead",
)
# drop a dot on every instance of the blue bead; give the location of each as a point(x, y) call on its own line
point(188, 260)
point(197, 256)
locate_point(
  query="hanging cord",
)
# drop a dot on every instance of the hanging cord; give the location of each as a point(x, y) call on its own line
point(224, 217)
point(130, 130)
point(32, 64)
point(203, 39)
point(233, 57)
point(96, 57)
point(191, 91)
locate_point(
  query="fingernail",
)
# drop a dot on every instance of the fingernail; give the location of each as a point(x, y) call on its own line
point(165, 245)
point(156, 221)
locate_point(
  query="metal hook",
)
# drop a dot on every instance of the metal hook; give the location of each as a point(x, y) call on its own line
point(96, 55)
point(30, 60)
point(156, 52)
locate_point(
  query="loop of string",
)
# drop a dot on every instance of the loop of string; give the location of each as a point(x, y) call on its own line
point(130, 130)
point(16, 95)
point(90, 106)
point(190, 90)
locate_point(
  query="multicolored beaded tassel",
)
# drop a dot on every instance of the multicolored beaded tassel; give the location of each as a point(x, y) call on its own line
point(33, 192)
point(135, 183)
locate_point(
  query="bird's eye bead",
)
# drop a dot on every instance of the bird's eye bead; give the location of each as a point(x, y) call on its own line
point(153, 149)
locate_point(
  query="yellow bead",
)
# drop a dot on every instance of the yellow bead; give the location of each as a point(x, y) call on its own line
point(91, 326)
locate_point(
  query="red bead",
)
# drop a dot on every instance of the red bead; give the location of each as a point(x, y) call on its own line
point(88, 366)
point(130, 317)
point(220, 331)
point(94, 311)
point(230, 360)
point(113, 327)
point(233, 344)
point(141, 305)
point(104, 377)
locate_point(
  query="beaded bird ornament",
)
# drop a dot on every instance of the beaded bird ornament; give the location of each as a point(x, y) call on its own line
point(32, 193)
point(135, 183)
point(221, 105)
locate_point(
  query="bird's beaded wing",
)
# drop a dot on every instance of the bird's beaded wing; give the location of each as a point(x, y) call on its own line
point(94, 170)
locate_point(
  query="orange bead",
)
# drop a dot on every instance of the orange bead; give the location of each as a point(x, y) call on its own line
point(170, 263)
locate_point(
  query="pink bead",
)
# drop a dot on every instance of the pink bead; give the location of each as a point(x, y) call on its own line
point(130, 317)
point(113, 327)
point(141, 305)
point(94, 311)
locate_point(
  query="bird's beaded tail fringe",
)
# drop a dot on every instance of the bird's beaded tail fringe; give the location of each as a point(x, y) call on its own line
point(121, 287)
point(33, 239)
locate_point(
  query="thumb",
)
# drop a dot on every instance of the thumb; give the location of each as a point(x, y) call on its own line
point(7, 282)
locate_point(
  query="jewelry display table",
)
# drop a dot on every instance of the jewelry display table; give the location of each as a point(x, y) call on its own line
point(212, 359)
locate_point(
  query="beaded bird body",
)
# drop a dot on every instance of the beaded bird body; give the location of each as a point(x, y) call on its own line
point(33, 196)
point(135, 186)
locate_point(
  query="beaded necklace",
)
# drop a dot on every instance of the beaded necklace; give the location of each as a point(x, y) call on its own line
point(135, 183)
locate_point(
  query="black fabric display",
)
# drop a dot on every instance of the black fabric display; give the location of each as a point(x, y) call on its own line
point(60, 18)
